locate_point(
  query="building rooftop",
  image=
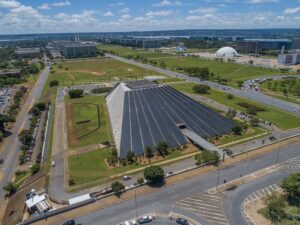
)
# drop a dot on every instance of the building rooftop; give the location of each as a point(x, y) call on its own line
point(143, 114)
point(267, 40)
point(140, 84)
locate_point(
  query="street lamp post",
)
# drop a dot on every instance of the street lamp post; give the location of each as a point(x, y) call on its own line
point(218, 176)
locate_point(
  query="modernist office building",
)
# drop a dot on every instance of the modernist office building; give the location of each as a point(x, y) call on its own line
point(259, 45)
point(77, 50)
point(143, 114)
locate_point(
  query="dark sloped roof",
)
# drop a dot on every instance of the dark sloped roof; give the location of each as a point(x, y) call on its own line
point(152, 115)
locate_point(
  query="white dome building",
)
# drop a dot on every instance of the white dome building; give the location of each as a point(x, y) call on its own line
point(227, 52)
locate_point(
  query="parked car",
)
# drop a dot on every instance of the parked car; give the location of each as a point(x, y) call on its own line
point(53, 163)
point(70, 222)
point(126, 177)
point(145, 219)
point(182, 221)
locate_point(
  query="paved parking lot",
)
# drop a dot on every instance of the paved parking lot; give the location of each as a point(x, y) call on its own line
point(207, 206)
point(5, 96)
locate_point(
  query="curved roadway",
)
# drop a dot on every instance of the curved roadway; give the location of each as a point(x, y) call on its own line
point(254, 96)
point(164, 198)
point(233, 200)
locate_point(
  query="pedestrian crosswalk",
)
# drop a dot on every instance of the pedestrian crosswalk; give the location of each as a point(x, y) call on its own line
point(208, 206)
point(261, 193)
point(255, 196)
point(293, 163)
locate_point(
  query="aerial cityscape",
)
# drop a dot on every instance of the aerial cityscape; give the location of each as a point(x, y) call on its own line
point(159, 112)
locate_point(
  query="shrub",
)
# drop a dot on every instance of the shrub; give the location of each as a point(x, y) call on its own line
point(201, 88)
point(76, 93)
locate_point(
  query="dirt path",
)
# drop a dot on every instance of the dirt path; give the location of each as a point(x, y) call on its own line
point(89, 148)
point(71, 76)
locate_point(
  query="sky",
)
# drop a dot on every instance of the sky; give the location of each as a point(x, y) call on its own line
point(59, 16)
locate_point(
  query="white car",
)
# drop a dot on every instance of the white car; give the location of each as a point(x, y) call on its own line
point(126, 177)
point(53, 163)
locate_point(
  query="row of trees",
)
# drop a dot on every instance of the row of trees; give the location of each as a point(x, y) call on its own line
point(162, 149)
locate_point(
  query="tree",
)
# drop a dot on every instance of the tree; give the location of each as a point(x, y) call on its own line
point(162, 64)
point(53, 83)
point(154, 174)
point(130, 157)
point(148, 152)
point(291, 185)
point(113, 157)
point(35, 168)
point(25, 137)
point(117, 187)
point(231, 113)
point(140, 180)
point(275, 207)
point(237, 129)
point(77, 93)
point(11, 188)
point(230, 96)
point(4, 119)
point(162, 148)
point(201, 88)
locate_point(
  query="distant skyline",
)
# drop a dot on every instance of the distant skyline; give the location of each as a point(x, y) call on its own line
point(40, 16)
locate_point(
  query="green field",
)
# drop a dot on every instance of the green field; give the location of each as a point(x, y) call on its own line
point(91, 166)
point(231, 71)
point(282, 119)
point(82, 116)
point(95, 70)
point(284, 89)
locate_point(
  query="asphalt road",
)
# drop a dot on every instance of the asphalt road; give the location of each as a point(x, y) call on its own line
point(163, 199)
point(254, 96)
point(233, 199)
point(10, 150)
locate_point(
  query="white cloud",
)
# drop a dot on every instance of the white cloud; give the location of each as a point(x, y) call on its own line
point(9, 4)
point(126, 16)
point(168, 3)
point(291, 10)
point(261, 1)
point(61, 4)
point(44, 6)
point(55, 4)
point(204, 10)
point(159, 13)
point(117, 4)
point(109, 13)
point(124, 10)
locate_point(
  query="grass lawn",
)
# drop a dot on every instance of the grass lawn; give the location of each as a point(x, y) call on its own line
point(282, 119)
point(275, 88)
point(91, 70)
point(252, 131)
point(83, 121)
point(90, 166)
point(232, 71)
